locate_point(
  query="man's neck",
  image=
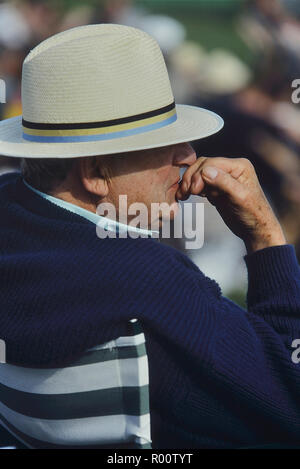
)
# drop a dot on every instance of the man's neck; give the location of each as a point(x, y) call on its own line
point(71, 191)
point(71, 198)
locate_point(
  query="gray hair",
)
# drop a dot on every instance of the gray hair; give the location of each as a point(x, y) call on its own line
point(45, 174)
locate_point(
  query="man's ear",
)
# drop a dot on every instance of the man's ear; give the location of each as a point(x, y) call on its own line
point(92, 178)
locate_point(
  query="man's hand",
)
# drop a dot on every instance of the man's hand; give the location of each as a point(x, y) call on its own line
point(232, 186)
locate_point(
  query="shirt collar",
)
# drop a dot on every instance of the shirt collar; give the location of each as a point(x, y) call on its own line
point(102, 222)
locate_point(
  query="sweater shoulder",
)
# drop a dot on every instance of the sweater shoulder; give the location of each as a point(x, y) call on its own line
point(162, 263)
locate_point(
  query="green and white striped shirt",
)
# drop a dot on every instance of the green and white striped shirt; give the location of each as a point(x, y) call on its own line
point(101, 400)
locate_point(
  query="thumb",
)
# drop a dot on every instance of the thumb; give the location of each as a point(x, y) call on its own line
point(220, 180)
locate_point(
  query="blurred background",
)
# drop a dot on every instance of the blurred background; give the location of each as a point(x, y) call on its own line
point(238, 58)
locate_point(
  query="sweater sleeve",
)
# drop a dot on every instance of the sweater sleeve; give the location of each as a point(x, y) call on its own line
point(272, 322)
point(274, 286)
point(247, 355)
point(253, 358)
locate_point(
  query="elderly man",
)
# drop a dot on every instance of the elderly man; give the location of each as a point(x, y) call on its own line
point(99, 122)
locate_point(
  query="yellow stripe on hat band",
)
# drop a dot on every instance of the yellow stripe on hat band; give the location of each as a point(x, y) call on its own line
point(101, 130)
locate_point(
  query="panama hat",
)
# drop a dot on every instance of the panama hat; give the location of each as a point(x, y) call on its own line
point(99, 90)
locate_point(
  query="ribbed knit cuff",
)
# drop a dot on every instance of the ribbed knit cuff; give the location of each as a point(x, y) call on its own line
point(272, 271)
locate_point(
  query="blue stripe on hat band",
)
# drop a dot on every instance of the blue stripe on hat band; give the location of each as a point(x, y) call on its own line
point(93, 138)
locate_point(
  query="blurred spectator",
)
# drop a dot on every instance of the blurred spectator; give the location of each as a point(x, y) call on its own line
point(107, 11)
point(42, 17)
point(168, 32)
point(77, 16)
point(209, 73)
point(22, 25)
point(10, 71)
point(15, 32)
point(118, 11)
point(270, 29)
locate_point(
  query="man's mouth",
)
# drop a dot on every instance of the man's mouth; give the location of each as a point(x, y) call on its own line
point(177, 183)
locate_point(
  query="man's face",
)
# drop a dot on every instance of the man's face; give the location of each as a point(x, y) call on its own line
point(150, 176)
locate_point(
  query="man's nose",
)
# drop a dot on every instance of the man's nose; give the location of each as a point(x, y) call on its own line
point(184, 155)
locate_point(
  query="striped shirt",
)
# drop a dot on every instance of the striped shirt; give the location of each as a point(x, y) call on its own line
point(99, 401)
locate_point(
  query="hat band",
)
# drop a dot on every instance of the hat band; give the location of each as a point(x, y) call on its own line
point(95, 131)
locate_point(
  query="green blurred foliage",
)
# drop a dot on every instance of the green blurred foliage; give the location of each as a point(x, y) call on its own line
point(211, 23)
point(238, 297)
point(215, 31)
point(182, 4)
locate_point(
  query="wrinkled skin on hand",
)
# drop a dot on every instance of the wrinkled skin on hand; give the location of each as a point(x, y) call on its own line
point(232, 186)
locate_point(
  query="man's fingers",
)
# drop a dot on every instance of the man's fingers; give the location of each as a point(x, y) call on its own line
point(238, 168)
point(233, 166)
point(188, 176)
point(221, 181)
point(196, 187)
point(197, 184)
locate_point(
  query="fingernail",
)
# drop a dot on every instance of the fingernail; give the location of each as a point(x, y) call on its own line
point(184, 186)
point(210, 172)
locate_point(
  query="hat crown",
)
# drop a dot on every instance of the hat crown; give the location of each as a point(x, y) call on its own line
point(94, 73)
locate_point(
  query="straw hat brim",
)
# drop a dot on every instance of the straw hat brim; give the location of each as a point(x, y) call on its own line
point(193, 123)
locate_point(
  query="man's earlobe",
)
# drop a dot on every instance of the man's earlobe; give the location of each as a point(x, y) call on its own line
point(92, 178)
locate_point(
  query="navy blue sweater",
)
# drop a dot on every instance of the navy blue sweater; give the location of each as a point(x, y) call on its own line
point(220, 376)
